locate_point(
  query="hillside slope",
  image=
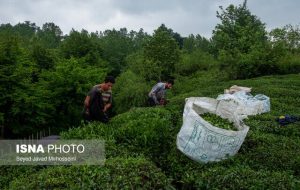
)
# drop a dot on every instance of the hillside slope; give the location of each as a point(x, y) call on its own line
point(141, 150)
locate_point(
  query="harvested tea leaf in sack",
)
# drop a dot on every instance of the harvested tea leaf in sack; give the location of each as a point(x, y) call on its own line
point(217, 121)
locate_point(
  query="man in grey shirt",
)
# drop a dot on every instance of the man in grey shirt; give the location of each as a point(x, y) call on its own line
point(157, 94)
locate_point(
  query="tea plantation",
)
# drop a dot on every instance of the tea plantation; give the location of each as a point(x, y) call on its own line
point(141, 148)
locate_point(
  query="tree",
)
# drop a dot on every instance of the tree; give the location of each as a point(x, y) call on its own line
point(116, 46)
point(26, 30)
point(84, 46)
point(50, 35)
point(68, 84)
point(162, 50)
point(189, 44)
point(9, 52)
point(77, 44)
point(42, 57)
point(192, 43)
point(239, 30)
point(130, 91)
point(196, 61)
point(241, 43)
point(6, 30)
point(175, 35)
point(145, 68)
point(286, 46)
point(16, 101)
point(139, 39)
point(287, 37)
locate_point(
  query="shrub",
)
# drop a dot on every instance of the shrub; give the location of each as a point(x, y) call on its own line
point(97, 130)
point(144, 130)
point(239, 177)
point(130, 91)
point(118, 173)
point(139, 131)
point(196, 61)
point(289, 64)
point(10, 173)
point(268, 152)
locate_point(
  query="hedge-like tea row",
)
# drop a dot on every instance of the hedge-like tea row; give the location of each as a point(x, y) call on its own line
point(118, 173)
point(142, 142)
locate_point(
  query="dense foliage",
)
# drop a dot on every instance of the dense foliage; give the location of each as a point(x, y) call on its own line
point(219, 122)
point(240, 42)
point(150, 134)
point(118, 173)
point(45, 76)
point(133, 95)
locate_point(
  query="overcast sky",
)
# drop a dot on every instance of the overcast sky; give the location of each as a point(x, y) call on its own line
point(183, 16)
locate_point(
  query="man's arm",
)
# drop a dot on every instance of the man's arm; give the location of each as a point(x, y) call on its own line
point(87, 102)
point(106, 107)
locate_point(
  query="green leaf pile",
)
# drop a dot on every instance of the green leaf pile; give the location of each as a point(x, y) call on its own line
point(217, 121)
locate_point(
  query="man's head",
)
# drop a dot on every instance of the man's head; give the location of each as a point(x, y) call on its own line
point(169, 84)
point(108, 83)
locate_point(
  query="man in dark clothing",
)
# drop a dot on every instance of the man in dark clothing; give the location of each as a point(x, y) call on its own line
point(98, 101)
point(157, 94)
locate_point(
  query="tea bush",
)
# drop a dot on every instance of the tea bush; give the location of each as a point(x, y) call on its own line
point(140, 130)
point(118, 173)
point(239, 177)
point(10, 173)
point(268, 158)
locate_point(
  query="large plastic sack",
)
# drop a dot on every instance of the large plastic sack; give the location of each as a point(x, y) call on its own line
point(243, 103)
point(204, 142)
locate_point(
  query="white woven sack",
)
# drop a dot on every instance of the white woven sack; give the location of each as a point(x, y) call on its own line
point(204, 142)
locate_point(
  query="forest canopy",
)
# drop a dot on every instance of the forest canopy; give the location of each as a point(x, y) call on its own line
point(46, 74)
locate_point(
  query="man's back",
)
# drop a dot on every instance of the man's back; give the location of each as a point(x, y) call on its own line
point(157, 93)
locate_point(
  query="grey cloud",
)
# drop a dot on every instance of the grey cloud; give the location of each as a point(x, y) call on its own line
point(276, 13)
point(183, 16)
